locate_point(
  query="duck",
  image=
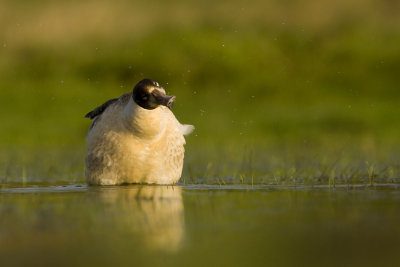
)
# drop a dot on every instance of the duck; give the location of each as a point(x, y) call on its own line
point(136, 139)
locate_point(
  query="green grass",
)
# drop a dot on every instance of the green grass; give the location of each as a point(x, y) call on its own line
point(308, 90)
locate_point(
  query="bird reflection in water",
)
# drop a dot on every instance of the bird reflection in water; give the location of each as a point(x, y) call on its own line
point(154, 213)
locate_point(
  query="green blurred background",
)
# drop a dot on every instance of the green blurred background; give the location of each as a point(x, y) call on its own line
point(291, 81)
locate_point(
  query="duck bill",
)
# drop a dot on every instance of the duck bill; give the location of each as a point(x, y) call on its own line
point(169, 101)
point(163, 99)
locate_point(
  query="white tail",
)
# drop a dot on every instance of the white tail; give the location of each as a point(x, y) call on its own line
point(186, 129)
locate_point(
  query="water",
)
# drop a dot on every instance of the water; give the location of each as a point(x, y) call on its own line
point(199, 225)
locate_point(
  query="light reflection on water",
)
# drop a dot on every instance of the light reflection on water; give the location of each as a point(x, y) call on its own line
point(155, 212)
point(202, 224)
point(65, 220)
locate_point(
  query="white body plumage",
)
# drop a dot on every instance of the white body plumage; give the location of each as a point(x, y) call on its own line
point(131, 144)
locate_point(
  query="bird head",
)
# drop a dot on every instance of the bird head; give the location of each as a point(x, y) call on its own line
point(149, 95)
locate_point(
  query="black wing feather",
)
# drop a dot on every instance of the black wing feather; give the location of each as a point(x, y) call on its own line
point(99, 110)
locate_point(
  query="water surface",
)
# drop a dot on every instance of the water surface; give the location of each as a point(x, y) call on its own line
point(199, 225)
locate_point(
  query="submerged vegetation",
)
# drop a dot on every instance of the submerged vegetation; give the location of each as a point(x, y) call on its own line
point(280, 93)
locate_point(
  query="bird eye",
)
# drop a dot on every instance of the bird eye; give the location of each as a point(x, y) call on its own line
point(144, 97)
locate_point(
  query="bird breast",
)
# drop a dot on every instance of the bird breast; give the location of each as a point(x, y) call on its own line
point(144, 124)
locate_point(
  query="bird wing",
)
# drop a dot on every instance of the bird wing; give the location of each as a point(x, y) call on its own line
point(95, 113)
point(100, 109)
